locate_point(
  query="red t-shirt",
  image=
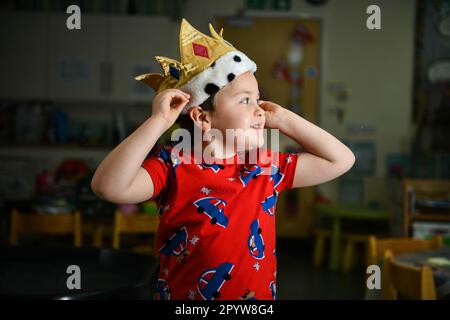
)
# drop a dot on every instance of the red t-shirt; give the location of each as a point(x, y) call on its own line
point(216, 237)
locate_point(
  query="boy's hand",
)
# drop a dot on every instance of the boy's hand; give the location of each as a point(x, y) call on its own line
point(273, 112)
point(167, 105)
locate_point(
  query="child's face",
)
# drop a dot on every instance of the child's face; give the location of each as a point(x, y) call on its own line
point(236, 107)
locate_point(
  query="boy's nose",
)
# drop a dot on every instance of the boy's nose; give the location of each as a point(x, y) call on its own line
point(259, 112)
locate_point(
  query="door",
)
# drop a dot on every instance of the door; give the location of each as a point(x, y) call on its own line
point(267, 41)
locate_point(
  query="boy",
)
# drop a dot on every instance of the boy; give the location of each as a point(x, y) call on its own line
point(216, 236)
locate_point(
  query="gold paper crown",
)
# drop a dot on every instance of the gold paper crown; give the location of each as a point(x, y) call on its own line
point(197, 50)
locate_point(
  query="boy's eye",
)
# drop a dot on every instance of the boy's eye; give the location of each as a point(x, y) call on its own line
point(245, 99)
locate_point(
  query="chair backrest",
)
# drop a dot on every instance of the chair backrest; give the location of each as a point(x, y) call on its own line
point(66, 223)
point(377, 247)
point(133, 224)
point(411, 282)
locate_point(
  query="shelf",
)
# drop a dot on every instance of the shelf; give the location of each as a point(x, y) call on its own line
point(430, 217)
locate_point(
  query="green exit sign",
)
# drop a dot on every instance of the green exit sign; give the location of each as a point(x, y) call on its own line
point(268, 4)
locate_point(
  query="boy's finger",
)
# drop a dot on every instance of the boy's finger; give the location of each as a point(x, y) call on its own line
point(184, 96)
point(184, 93)
point(181, 105)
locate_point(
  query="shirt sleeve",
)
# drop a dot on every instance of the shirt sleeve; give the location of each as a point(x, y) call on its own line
point(159, 169)
point(287, 163)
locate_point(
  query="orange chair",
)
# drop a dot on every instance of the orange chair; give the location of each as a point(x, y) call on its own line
point(135, 224)
point(34, 223)
point(412, 282)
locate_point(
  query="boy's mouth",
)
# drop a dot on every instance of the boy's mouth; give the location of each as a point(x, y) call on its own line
point(257, 126)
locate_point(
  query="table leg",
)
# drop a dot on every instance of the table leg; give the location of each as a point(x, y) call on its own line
point(335, 244)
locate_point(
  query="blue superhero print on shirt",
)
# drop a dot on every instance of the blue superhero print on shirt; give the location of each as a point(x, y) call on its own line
point(214, 167)
point(169, 158)
point(214, 209)
point(255, 241)
point(247, 175)
point(163, 291)
point(248, 295)
point(211, 281)
point(176, 244)
point(273, 289)
point(275, 175)
point(269, 203)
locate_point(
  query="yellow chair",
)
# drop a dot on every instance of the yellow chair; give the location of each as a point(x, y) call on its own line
point(411, 282)
point(348, 257)
point(135, 224)
point(34, 223)
point(377, 247)
point(319, 246)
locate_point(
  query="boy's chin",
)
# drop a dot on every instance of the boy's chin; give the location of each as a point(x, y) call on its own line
point(254, 145)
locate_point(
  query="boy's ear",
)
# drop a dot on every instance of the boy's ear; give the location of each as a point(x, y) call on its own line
point(200, 118)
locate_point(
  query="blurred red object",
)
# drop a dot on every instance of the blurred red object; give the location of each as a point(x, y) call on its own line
point(302, 34)
point(44, 182)
point(71, 169)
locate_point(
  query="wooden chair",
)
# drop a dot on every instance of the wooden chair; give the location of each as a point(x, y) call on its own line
point(67, 223)
point(135, 224)
point(377, 247)
point(349, 240)
point(411, 282)
point(348, 257)
point(321, 236)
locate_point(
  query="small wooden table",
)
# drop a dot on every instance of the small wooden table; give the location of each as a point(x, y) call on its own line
point(439, 261)
point(338, 212)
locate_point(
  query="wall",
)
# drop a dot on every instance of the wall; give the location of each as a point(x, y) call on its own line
point(376, 66)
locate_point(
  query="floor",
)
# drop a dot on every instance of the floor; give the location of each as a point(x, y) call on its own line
point(298, 279)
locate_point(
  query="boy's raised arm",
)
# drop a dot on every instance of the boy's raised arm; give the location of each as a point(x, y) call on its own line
point(120, 178)
point(325, 157)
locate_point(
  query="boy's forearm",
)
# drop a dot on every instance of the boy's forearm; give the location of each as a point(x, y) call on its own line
point(119, 168)
point(313, 139)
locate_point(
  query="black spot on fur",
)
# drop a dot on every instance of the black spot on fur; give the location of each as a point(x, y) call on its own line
point(211, 88)
point(231, 76)
point(237, 58)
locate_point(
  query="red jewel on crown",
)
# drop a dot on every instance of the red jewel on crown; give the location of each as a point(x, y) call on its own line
point(200, 50)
